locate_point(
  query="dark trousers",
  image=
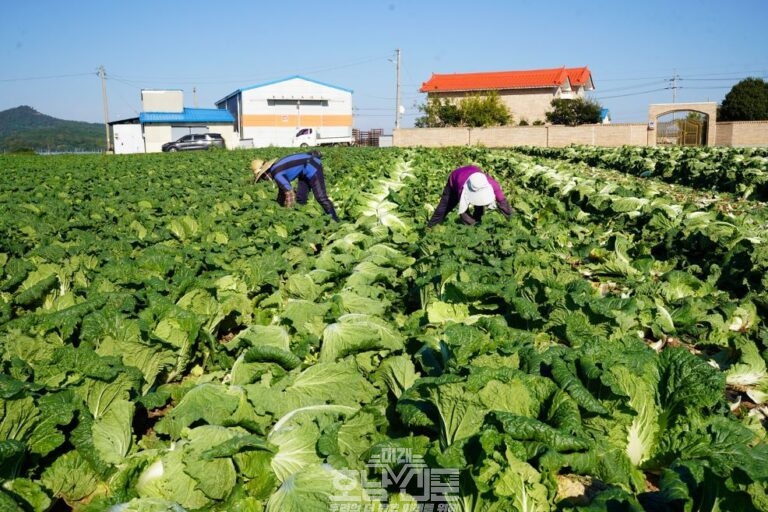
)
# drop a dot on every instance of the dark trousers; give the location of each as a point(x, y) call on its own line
point(317, 185)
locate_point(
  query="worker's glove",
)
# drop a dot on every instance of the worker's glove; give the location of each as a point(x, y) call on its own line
point(466, 218)
point(505, 209)
point(290, 199)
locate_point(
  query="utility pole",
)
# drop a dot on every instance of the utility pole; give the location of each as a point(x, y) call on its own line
point(194, 96)
point(397, 90)
point(674, 86)
point(103, 76)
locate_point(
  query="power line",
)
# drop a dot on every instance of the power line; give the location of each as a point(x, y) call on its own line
point(722, 79)
point(637, 86)
point(674, 86)
point(204, 80)
point(50, 77)
point(140, 82)
point(632, 79)
point(713, 88)
point(738, 75)
point(630, 94)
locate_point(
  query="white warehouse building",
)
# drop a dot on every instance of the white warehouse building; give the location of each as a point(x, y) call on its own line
point(273, 113)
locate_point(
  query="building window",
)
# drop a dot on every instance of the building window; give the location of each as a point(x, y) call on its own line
point(294, 103)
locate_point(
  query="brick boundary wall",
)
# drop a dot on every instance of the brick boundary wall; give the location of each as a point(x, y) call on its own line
point(742, 134)
point(736, 134)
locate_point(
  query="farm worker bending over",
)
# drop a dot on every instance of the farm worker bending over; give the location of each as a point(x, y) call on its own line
point(470, 186)
point(307, 168)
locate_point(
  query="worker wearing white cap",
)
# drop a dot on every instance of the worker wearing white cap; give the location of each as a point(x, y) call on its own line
point(470, 186)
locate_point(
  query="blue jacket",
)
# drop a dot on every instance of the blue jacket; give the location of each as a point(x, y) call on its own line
point(288, 168)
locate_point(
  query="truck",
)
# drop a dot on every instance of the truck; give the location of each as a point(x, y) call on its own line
point(330, 136)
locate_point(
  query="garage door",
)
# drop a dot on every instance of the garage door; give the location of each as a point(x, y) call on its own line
point(180, 131)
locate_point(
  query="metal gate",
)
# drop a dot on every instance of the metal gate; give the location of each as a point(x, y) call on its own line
point(683, 128)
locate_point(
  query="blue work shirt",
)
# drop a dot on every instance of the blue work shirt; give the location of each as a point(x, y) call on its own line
point(288, 168)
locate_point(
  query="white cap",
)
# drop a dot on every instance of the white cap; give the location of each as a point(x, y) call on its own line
point(477, 191)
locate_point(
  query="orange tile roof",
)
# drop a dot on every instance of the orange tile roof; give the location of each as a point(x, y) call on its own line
point(534, 78)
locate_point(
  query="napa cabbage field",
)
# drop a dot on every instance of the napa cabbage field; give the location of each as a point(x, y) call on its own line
point(171, 339)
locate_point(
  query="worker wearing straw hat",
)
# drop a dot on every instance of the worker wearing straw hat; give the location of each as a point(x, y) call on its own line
point(307, 169)
point(470, 186)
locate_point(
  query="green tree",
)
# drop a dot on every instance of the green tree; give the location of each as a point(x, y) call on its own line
point(474, 111)
point(746, 101)
point(574, 112)
point(438, 113)
point(484, 111)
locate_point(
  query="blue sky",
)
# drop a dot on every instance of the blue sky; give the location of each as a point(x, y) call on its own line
point(639, 53)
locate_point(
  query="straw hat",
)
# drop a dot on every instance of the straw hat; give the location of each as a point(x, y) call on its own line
point(259, 167)
point(477, 191)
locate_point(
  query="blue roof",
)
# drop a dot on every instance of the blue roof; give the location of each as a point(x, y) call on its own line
point(189, 115)
point(238, 91)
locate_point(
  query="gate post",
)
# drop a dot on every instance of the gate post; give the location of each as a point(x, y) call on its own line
point(709, 109)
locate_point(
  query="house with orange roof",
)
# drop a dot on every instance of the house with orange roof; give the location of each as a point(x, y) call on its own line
point(527, 94)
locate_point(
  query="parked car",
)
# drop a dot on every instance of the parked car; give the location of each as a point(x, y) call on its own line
point(195, 141)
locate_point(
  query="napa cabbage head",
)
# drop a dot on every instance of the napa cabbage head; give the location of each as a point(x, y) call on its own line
point(749, 373)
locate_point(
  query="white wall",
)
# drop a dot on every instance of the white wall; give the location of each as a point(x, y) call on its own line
point(155, 135)
point(127, 138)
point(162, 100)
point(268, 122)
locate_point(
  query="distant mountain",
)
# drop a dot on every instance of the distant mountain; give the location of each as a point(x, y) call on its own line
point(25, 129)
